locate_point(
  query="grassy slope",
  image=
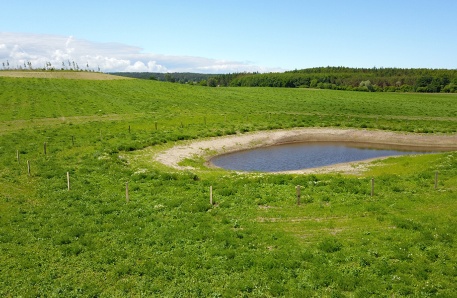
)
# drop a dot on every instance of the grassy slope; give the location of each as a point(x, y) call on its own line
point(255, 241)
point(73, 75)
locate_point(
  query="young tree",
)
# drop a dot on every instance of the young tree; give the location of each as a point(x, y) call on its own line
point(211, 82)
point(366, 84)
point(169, 78)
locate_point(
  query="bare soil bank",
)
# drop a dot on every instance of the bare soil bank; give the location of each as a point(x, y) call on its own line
point(215, 146)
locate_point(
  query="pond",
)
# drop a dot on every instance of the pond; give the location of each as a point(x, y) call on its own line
point(298, 156)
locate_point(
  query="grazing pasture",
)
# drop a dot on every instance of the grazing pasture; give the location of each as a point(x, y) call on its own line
point(254, 240)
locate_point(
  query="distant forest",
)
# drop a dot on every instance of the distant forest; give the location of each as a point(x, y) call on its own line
point(175, 77)
point(337, 78)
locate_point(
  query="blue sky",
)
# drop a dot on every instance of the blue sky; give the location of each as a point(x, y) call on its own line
point(230, 36)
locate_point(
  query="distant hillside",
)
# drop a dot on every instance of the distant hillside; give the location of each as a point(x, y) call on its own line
point(336, 78)
point(176, 77)
point(57, 74)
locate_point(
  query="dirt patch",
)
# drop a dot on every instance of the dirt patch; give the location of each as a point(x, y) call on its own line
point(214, 146)
point(73, 75)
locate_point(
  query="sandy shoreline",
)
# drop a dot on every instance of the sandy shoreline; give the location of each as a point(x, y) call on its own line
point(220, 145)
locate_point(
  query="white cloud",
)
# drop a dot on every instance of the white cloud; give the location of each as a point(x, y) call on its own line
point(61, 51)
point(69, 39)
point(154, 67)
point(138, 66)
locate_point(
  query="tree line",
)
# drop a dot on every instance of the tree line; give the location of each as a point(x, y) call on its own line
point(344, 78)
point(175, 77)
point(336, 78)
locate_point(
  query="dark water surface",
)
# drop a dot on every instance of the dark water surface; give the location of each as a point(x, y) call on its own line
point(297, 156)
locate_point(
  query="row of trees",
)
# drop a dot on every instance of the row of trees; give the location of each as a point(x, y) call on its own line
point(175, 77)
point(27, 65)
point(343, 78)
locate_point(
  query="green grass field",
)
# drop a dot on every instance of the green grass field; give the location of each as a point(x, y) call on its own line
point(254, 241)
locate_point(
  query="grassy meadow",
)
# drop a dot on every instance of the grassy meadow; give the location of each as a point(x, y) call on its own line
point(168, 241)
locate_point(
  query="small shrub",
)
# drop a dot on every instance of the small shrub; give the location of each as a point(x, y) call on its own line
point(330, 245)
point(407, 224)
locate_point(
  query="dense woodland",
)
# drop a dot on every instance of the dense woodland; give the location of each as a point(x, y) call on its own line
point(336, 78)
point(357, 79)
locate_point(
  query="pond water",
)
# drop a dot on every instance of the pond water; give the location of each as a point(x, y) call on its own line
point(297, 156)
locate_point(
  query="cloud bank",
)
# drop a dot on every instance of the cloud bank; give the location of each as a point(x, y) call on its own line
point(22, 50)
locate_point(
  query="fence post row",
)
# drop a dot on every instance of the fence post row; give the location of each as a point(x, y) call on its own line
point(298, 187)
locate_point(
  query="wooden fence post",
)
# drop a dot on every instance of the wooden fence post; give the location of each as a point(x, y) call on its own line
point(211, 195)
point(68, 181)
point(298, 188)
point(372, 186)
point(436, 179)
point(28, 167)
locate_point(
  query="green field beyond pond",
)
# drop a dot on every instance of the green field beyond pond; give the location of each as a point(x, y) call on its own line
point(254, 241)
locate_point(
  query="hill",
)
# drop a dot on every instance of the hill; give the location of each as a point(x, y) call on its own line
point(74, 75)
point(85, 210)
